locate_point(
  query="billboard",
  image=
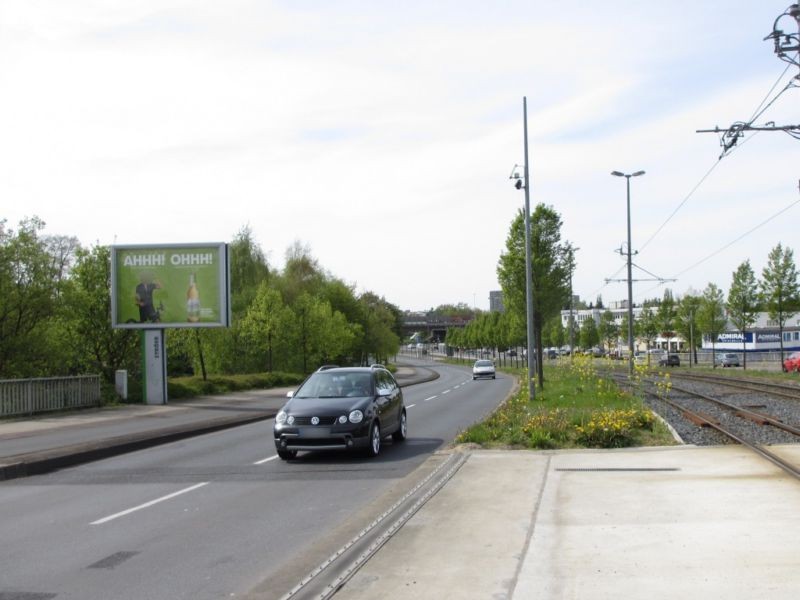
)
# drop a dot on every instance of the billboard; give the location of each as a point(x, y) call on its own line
point(165, 286)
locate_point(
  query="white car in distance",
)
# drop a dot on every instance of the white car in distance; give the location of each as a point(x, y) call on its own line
point(483, 369)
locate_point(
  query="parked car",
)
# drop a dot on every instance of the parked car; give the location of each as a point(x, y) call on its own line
point(728, 359)
point(483, 368)
point(341, 409)
point(640, 358)
point(512, 352)
point(671, 360)
point(792, 363)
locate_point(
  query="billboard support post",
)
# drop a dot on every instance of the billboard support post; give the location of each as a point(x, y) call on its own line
point(155, 367)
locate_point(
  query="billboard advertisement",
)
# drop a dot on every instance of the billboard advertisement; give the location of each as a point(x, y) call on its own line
point(165, 286)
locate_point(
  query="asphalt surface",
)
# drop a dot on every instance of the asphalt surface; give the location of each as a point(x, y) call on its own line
point(658, 523)
point(32, 446)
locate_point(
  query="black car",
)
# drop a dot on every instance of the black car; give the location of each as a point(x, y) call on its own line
point(671, 360)
point(342, 409)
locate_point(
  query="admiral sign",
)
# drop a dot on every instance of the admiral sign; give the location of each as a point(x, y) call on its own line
point(735, 337)
point(769, 336)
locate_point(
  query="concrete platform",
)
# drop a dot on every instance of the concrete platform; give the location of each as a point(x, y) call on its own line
point(655, 523)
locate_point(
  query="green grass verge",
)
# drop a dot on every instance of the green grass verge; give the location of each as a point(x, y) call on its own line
point(576, 409)
point(190, 387)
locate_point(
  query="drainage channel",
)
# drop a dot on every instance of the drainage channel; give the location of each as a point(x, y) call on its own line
point(329, 577)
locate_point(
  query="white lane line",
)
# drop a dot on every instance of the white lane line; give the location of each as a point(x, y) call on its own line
point(411, 406)
point(147, 504)
point(264, 460)
point(431, 398)
point(446, 392)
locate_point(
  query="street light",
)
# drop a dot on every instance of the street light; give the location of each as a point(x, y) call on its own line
point(627, 177)
point(524, 183)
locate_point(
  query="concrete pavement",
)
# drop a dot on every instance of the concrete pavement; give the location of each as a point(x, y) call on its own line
point(656, 523)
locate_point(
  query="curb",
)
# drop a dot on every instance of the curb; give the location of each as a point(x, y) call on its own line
point(37, 463)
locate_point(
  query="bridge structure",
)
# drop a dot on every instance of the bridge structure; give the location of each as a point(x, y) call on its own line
point(430, 326)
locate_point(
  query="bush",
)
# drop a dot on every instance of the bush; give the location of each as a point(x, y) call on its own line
point(190, 387)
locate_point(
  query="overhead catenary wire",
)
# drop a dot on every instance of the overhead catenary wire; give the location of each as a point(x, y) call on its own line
point(760, 109)
point(729, 244)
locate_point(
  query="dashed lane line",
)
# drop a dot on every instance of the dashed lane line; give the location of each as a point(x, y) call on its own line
point(148, 504)
point(431, 398)
point(265, 460)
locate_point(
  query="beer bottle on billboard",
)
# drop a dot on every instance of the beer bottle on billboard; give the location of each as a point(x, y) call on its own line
point(193, 301)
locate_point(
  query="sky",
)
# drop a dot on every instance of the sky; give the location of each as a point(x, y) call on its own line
point(382, 135)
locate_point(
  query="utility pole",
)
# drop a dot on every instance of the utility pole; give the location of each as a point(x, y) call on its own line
point(627, 177)
point(524, 183)
point(528, 267)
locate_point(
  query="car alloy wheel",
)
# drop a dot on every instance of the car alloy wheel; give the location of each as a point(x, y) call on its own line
point(374, 447)
point(402, 430)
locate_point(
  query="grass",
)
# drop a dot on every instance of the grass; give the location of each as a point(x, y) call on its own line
point(576, 409)
point(190, 387)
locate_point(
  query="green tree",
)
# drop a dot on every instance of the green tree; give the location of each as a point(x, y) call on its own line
point(248, 270)
point(711, 317)
point(265, 324)
point(686, 323)
point(29, 278)
point(549, 271)
point(647, 328)
point(378, 324)
point(607, 329)
point(743, 302)
point(96, 346)
point(666, 317)
point(589, 336)
point(779, 287)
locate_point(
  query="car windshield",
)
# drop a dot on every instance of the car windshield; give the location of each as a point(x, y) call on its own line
point(484, 363)
point(330, 384)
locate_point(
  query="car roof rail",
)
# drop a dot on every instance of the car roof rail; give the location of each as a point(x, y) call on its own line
point(376, 366)
point(326, 367)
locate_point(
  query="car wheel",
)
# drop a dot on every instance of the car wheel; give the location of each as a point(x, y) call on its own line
point(287, 454)
point(374, 446)
point(402, 430)
point(493, 377)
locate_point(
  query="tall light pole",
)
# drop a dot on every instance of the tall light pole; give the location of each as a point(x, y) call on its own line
point(531, 356)
point(627, 177)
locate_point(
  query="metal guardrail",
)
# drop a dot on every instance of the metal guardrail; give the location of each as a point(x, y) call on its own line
point(30, 396)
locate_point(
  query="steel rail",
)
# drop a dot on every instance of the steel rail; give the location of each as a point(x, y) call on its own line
point(791, 469)
point(757, 448)
point(328, 578)
point(754, 416)
point(766, 387)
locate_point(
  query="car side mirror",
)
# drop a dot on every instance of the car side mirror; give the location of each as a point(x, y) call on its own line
point(290, 394)
point(384, 392)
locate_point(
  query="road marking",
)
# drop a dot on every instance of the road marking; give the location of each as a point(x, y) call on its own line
point(446, 392)
point(431, 398)
point(263, 460)
point(411, 406)
point(147, 504)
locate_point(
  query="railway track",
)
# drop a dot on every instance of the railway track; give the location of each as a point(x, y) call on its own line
point(734, 421)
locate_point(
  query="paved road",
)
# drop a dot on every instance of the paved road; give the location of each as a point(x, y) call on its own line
point(216, 515)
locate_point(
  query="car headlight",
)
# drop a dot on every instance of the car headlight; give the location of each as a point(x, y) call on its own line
point(342, 419)
point(290, 420)
point(280, 419)
point(356, 416)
